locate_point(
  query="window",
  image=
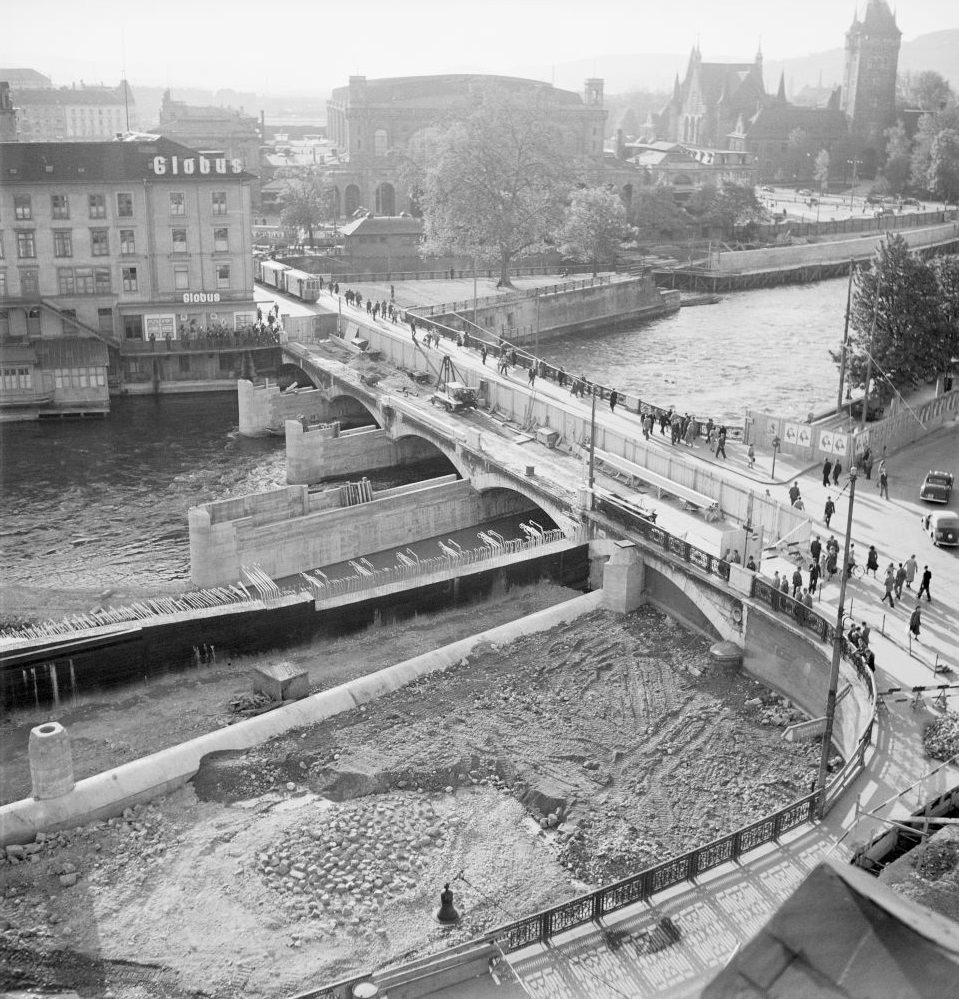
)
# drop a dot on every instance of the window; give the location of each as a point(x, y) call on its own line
point(79, 377)
point(177, 203)
point(83, 276)
point(179, 240)
point(125, 206)
point(60, 206)
point(221, 240)
point(223, 275)
point(133, 327)
point(62, 243)
point(65, 284)
point(3, 282)
point(219, 202)
point(181, 277)
point(129, 279)
point(97, 205)
point(29, 283)
point(21, 206)
point(26, 243)
point(128, 242)
point(1, 246)
point(17, 379)
point(99, 243)
point(69, 320)
point(105, 321)
point(102, 281)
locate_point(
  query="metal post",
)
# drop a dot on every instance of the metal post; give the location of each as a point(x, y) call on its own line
point(872, 340)
point(592, 446)
point(845, 340)
point(836, 653)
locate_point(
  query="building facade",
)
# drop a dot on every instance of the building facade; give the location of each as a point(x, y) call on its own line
point(372, 122)
point(725, 105)
point(74, 114)
point(129, 244)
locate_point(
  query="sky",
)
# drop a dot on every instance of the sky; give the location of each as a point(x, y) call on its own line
point(312, 45)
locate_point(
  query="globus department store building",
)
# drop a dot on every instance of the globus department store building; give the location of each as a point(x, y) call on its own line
point(112, 253)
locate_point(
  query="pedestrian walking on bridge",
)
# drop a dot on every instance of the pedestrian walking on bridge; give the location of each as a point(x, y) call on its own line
point(826, 469)
point(613, 399)
point(883, 481)
point(721, 443)
point(890, 584)
point(924, 585)
point(829, 510)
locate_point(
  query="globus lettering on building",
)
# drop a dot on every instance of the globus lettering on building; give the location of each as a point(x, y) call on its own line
point(187, 166)
point(200, 297)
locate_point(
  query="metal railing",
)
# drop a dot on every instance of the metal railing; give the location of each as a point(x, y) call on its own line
point(413, 567)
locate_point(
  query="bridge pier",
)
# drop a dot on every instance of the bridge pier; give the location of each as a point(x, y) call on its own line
point(624, 578)
point(264, 406)
point(316, 453)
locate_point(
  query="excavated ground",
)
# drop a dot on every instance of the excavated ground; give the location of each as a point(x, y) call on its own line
point(524, 775)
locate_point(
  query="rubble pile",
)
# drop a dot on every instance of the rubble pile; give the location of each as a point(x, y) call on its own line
point(346, 863)
point(940, 740)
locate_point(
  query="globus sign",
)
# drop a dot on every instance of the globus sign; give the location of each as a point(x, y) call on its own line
point(200, 297)
point(178, 165)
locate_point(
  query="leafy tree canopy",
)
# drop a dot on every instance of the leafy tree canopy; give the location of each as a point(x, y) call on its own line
point(497, 180)
point(306, 205)
point(898, 316)
point(594, 227)
point(727, 206)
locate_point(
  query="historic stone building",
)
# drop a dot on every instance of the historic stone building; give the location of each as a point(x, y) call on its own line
point(371, 123)
point(726, 105)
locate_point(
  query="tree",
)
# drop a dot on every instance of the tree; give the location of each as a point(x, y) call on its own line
point(942, 178)
point(896, 167)
point(821, 169)
point(928, 90)
point(904, 345)
point(726, 207)
point(930, 125)
point(497, 180)
point(306, 205)
point(657, 216)
point(945, 272)
point(799, 153)
point(594, 226)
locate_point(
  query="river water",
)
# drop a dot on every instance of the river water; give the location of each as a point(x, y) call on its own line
point(99, 504)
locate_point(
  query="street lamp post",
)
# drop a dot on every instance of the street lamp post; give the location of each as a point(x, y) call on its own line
point(775, 442)
point(836, 653)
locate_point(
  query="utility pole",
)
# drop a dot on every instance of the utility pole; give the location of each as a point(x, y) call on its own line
point(474, 291)
point(836, 654)
point(845, 340)
point(872, 340)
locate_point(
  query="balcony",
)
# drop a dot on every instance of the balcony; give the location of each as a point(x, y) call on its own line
point(201, 344)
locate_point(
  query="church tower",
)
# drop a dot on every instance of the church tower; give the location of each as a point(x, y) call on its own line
point(869, 88)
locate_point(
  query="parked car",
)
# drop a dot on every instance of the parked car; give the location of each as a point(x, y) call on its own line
point(936, 487)
point(911, 203)
point(943, 528)
point(804, 193)
point(768, 189)
point(883, 212)
point(873, 199)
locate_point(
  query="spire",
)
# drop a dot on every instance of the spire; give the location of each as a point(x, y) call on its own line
point(677, 92)
point(781, 93)
point(759, 52)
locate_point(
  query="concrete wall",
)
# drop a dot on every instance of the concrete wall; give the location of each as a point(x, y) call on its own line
point(559, 309)
point(772, 258)
point(287, 531)
point(323, 453)
point(262, 406)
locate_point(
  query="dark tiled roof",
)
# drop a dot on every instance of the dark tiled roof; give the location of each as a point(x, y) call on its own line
point(778, 120)
point(53, 162)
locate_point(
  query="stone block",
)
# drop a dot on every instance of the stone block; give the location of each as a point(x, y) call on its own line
point(51, 761)
point(281, 681)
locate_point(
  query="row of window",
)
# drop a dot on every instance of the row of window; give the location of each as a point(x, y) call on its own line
point(99, 280)
point(100, 242)
point(16, 379)
point(79, 377)
point(97, 205)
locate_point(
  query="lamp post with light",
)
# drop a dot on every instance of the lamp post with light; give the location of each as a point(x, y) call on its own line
point(836, 653)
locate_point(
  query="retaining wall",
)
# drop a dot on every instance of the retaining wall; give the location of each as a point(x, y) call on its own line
point(262, 406)
point(319, 453)
point(834, 252)
point(286, 531)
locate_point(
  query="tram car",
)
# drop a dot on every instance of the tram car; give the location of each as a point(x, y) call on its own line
point(301, 285)
point(271, 273)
